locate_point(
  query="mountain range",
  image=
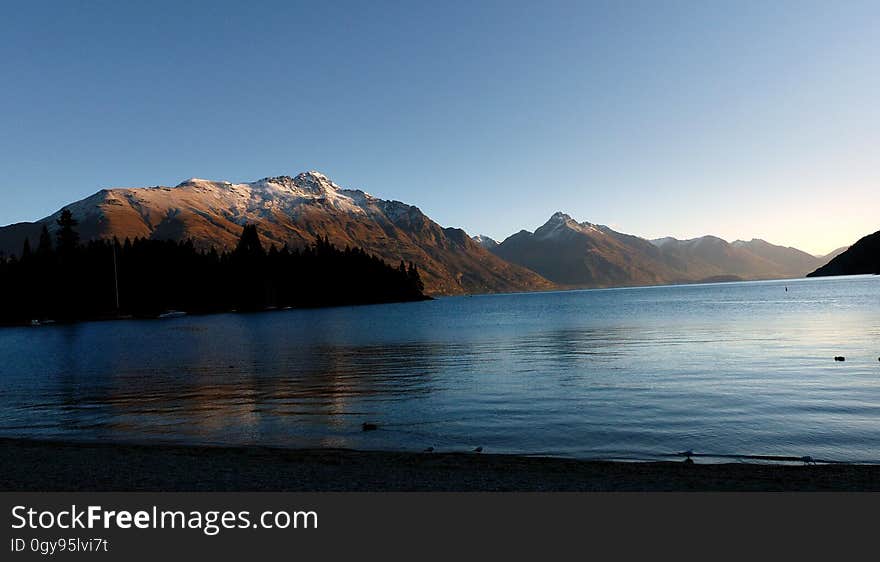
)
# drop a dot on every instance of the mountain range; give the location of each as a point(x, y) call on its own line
point(583, 254)
point(293, 211)
point(563, 253)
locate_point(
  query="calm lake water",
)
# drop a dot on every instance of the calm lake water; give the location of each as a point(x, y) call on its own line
point(735, 368)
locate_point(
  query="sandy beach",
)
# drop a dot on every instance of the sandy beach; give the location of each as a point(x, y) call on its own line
point(28, 465)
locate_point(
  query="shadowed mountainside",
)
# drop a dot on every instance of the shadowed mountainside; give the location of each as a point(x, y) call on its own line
point(862, 257)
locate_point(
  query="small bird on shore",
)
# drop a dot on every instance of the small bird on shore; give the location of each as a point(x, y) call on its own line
point(369, 426)
point(478, 450)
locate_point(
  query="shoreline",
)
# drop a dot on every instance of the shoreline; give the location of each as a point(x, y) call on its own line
point(56, 466)
point(170, 314)
point(424, 298)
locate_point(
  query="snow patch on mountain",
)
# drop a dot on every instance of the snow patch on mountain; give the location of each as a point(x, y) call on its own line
point(561, 224)
point(485, 241)
point(270, 195)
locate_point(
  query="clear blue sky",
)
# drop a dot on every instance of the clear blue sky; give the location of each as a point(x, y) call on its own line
point(740, 119)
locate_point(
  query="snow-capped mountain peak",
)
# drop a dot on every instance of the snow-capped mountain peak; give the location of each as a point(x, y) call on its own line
point(198, 182)
point(561, 223)
point(315, 181)
point(306, 184)
point(312, 182)
point(559, 217)
point(485, 241)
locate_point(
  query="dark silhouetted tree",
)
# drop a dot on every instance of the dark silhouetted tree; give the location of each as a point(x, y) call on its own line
point(414, 278)
point(249, 243)
point(248, 263)
point(44, 248)
point(68, 237)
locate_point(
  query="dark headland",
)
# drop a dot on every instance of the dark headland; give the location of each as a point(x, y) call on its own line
point(29, 465)
point(861, 258)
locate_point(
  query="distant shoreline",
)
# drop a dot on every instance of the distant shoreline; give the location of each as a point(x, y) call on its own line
point(35, 465)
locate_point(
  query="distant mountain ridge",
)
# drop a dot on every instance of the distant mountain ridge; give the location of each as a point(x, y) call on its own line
point(576, 254)
point(583, 254)
point(291, 210)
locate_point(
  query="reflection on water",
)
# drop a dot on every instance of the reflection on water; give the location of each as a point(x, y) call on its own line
point(739, 368)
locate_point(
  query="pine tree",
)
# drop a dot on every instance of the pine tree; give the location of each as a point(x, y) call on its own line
point(44, 248)
point(249, 243)
point(68, 238)
point(415, 279)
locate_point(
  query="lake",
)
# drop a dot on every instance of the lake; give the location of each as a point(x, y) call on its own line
point(635, 373)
